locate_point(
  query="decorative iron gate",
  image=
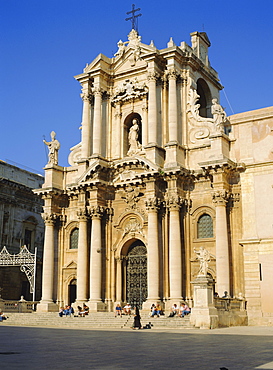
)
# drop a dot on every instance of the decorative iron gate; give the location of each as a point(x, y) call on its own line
point(136, 279)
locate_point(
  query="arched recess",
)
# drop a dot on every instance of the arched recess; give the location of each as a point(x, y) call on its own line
point(126, 128)
point(205, 99)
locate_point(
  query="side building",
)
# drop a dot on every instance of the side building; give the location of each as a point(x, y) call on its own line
point(160, 174)
point(20, 224)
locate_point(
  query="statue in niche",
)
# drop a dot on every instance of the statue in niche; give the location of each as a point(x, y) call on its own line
point(219, 115)
point(135, 145)
point(204, 257)
point(53, 147)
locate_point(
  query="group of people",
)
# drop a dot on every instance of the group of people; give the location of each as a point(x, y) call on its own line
point(126, 310)
point(69, 311)
point(156, 310)
point(66, 311)
point(180, 311)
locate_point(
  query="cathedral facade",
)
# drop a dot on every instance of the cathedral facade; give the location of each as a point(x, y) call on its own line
point(160, 173)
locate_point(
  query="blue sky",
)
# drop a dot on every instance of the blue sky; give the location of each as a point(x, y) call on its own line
point(43, 44)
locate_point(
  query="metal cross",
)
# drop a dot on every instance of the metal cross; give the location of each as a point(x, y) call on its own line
point(134, 17)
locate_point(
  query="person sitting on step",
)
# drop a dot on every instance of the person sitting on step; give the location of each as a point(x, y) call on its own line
point(184, 310)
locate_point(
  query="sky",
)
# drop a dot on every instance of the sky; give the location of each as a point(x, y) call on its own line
point(45, 43)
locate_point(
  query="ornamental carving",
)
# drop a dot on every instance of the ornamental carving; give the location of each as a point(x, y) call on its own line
point(96, 211)
point(174, 202)
point(82, 214)
point(204, 257)
point(133, 43)
point(203, 127)
point(131, 196)
point(220, 197)
point(152, 204)
point(49, 218)
point(129, 90)
point(132, 227)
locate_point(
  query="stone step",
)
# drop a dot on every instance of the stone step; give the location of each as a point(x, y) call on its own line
point(93, 320)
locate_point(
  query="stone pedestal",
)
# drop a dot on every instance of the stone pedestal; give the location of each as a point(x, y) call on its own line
point(204, 314)
point(47, 307)
point(175, 155)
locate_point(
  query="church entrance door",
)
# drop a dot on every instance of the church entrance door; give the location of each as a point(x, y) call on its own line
point(136, 274)
point(72, 291)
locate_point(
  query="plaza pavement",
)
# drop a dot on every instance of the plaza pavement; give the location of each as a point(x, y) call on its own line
point(235, 348)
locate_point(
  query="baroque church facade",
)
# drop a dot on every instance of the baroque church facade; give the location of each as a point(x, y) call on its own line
point(160, 173)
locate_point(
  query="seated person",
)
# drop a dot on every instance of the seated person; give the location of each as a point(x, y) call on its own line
point(127, 309)
point(80, 311)
point(157, 311)
point(118, 310)
point(61, 312)
point(174, 310)
point(85, 310)
point(184, 310)
point(2, 316)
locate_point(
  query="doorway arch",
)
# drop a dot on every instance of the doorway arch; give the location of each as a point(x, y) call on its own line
point(136, 274)
point(72, 291)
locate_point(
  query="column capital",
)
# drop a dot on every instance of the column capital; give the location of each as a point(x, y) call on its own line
point(49, 218)
point(220, 197)
point(172, 74)
point(97, 91)
point(152, 76)
point(152, 204)
point(174, 202)
point(86, 97)
point(96, 212)
point(82, 214)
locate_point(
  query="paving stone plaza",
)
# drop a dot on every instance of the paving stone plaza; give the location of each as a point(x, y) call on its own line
point(43, 348)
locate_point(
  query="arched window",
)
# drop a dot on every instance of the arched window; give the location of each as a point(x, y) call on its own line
point(204, 227)
point(205, 98)
point(74, 238)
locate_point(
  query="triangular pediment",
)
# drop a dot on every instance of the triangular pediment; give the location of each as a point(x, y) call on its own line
point(71, 265)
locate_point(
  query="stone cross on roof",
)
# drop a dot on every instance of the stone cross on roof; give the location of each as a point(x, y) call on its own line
point(134, 17)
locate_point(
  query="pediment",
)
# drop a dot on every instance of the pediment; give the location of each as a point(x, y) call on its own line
point(71, 265)
point(131, 170)
point(100, 62)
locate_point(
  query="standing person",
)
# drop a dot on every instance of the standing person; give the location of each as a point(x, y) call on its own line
point(137, 323)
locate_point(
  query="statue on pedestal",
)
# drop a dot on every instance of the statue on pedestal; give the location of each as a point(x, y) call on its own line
point(53, 147)
point(204, 258)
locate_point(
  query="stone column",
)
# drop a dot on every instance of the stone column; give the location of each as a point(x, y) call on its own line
point(82, 265)
point(119, 279)
point(46, 303)
point(86, 125)
point(152, 106)
point(175, 249)
point(222, 249)
point(97, 122)
point(95, 258)
point(172, 106)
point(118, 137)
point(152, 252)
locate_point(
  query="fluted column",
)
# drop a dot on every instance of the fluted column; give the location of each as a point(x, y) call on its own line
point(97, 122)
point(95, 255)
point(82, 265)
point(48, 259)
point(153, 251)
point(152, 112)
point(175, 249)
point(86, 126)
point(119, 279)
point(222, 249)
point(172, 111)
